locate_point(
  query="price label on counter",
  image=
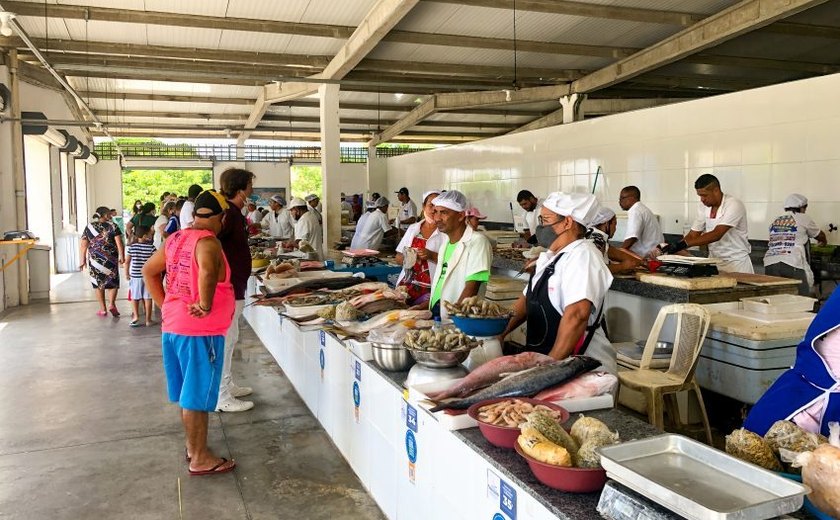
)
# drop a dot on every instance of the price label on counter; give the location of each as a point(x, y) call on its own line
point(323, 337)
point(357, 370)
point(508, 500)
point(322, 360)
point(502, 496)
point(411, 418)
point(357, 400)
point(411, 452)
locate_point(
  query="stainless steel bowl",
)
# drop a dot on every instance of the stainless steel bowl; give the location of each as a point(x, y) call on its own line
point(439, 359)
point(391, 357)
point(662, 348)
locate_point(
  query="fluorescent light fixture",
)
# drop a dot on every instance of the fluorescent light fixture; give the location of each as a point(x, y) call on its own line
point(6, 28)
point(398, 96)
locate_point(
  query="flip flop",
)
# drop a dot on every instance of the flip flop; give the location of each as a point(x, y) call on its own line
point(135, 323)
point(187, 455)
point(217, 469)
point(114, 311)
point(101, 313)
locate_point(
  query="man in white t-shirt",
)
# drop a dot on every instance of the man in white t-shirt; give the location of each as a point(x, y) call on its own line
point(643, 230)
point(408, 210)
point(788, 247)
point(375, 227)
point(187, 210)
point(531, 205)
point(721, 224)
point(278, 222)
point(307, 227)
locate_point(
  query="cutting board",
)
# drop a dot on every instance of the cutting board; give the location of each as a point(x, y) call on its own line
point(690, 284)
point(762, 280)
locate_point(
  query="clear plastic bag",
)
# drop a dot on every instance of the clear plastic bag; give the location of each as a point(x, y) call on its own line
point(821, 472)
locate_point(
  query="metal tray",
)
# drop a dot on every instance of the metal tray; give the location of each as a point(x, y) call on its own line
point(700, 482)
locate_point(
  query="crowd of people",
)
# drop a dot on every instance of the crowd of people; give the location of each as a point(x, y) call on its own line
point(193, 261)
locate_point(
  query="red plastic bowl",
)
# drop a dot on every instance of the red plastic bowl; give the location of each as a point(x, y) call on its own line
point(505, 436)
point(572, 480)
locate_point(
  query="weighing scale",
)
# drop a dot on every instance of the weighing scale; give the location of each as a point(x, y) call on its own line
point(421, 375)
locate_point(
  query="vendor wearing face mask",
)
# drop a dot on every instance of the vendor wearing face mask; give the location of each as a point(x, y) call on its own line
point(463, 260)
point(425, 240)
point(563, 302)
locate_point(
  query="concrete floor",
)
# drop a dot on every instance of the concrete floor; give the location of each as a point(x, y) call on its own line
point(86, 430)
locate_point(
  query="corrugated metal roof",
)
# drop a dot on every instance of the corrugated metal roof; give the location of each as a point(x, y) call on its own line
point(96, 30)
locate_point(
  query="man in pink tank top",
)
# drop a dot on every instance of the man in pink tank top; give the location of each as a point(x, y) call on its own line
point(197, 309)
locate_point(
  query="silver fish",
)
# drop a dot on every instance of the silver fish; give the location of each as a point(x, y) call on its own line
point(526, 383)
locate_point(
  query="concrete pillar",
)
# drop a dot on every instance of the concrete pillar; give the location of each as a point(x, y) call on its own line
point(18, 173)
point(377, 173)
point(572, 107)
point(240, 149)
point(330, 163)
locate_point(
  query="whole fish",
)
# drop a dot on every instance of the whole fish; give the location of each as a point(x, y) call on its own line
point(491, 372)
point(526, 383)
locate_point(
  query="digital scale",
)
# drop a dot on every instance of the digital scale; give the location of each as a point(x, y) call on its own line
point(687, 266)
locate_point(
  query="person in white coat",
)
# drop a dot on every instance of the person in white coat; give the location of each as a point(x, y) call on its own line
point(721, 224)
point(278, 222)
point(563, 302)
point(643, 230)
point(307, 228)
point(375, 227)
point(370, 207)
point(464, 260)
point(788, 249)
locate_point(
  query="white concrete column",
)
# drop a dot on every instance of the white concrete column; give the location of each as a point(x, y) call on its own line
point(572, 107)
point(330, 163)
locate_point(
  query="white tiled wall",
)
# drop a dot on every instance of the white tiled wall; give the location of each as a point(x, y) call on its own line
point(762, 144)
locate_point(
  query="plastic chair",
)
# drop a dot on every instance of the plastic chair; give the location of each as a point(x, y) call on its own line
point(692, 325)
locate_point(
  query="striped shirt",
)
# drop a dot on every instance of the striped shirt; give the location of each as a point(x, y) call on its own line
point(139, 252)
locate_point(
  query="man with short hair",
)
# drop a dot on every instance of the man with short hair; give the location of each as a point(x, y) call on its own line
point(464, 261)
point(307, 228)
point(408, 210)
point(237, 185)
point(721, 224)
point(186, 216)
point(788, 247)
point(375, 227)
point(197, 309)
point(279, 221)
point(643, 230)
point(531, 205)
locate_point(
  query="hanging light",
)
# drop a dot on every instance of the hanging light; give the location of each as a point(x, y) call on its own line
point(6, 27)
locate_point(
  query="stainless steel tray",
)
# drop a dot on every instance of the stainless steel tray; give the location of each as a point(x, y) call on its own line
point(700, 482)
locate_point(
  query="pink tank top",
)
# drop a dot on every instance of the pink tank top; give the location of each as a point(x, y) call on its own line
point(182, 289)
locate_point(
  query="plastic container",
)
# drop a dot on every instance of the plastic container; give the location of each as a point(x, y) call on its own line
point(571, 480)
point(505, 436)
point(481, 327)
point(778, 304)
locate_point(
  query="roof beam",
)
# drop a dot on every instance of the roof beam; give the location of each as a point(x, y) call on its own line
point(382, 17)
point(597, 107)
point(628, 14)
point(463, 100)
point(743, 17)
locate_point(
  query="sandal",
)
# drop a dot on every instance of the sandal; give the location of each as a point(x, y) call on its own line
point(101, 313)
point(114, 311)
point(134, 323)
point(217, 469)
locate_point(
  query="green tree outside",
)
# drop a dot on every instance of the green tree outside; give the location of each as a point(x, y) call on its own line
point(149, 185)
point(306, 180)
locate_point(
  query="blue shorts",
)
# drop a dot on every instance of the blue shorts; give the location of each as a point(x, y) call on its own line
point(137, 290)
point(193, 366)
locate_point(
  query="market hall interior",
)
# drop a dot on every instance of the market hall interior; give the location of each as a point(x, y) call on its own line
point(86, 430)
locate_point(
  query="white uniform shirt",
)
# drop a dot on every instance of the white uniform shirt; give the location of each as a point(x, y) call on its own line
point(160, 225)
point(317, 212)
point(186, 216)
point(433, 243)
point(789, 236)
point(733, 248)
point(254, 217)
point(580, 275)
point(308, 228)
point(360, 225)
point(643, 225)
point(407, 210)
point(532, 217)
point(374, 228)
point(601, 240)
point(280, 224)
point(472, 255)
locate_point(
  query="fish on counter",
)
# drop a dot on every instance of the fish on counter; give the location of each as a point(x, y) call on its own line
point(491, 372)
point(316, 284)
point(526, 383)
point(592, 384)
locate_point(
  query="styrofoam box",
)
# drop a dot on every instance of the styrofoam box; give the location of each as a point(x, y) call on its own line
point(778, 304)
point(417, 395)
point(742, 384)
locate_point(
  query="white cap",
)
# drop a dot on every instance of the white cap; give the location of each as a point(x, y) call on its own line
point(795, 200)
point(278, 199)
point(381, 202)
point(297, 203)
point(371, 203)
point(310, 197)
point(430, 192)
point(582, 207)
point(603, 215)
point(453, 199)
